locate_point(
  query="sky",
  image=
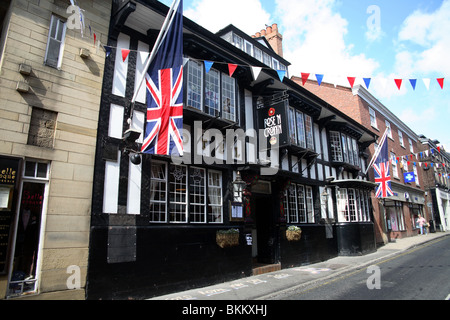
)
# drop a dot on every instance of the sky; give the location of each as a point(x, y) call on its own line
point(378, 39)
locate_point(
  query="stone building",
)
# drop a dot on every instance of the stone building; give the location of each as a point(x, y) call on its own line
point(51, 75)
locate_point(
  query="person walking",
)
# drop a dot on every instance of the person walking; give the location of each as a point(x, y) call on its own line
point(423, 225)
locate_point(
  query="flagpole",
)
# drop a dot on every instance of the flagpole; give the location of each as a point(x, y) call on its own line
point(377, 152)
point(162, 34)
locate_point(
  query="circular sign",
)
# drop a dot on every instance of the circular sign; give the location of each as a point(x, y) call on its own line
point(271, 112)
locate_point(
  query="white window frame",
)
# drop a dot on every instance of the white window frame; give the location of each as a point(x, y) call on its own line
point(212, 86)
point(373, 118)
point(159, 202)
point(54, 37)
point(215, 190)
point(229, 92)
point(394, 165)
point(400, 138)
point(197, 196)
point(178, 196)
point(416, 176)
point(248, 47)
point(388, 126)
point(193, 82)
point(411, 146)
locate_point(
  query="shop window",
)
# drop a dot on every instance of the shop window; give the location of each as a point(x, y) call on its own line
point(215, 196)
point(158, 192)
point(24, 274)
point(177, 193)
point(353, 205)
point(197, 195)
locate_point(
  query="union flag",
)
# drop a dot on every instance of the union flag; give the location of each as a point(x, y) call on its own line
point(164, 82)
point(382, 174)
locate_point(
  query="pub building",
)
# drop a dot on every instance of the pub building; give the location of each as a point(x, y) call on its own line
point(160, 226)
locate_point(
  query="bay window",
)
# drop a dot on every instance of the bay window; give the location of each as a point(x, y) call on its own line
point(299, 204)
point(353, 205)
point(175, 188)
point(214, 92)
point(344, 148)
point(301, 129)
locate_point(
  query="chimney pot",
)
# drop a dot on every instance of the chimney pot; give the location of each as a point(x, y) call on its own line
point(269, 30)
point(263, 32)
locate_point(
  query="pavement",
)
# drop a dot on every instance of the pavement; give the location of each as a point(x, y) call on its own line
point(269, 285)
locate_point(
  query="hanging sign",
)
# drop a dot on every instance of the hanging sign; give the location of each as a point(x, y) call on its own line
point(273, 121)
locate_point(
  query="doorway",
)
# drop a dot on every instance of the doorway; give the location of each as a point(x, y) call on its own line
point(24, 267)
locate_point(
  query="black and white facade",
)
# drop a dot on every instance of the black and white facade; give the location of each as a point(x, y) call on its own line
point(154, 224)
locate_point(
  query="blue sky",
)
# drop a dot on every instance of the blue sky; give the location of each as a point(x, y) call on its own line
point(380, 39)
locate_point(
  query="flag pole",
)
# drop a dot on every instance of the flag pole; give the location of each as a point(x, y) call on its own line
point(162, 34)
point(377, 152)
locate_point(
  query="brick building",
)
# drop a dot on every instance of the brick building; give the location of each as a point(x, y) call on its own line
point(395, 216)
point(50, 86)
point(437, 182)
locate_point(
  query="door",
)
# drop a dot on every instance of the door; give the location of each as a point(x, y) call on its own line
point(265, 228)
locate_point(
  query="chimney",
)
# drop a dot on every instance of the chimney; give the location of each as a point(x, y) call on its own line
point(274, 38)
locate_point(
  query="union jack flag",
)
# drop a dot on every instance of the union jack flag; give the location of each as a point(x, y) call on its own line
point(164, 82)
point(382, 174)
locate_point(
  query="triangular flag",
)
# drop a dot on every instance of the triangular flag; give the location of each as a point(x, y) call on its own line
point(143, 56)
point(367, 82)
point(256, 71)
point(441, 82)
point(319, 78)
point(426, 82)
point(107, 50)
point(383, 82)
point(413, 83)
point(208, 65)
point(231, 68)
point(351, 80)
point(281, 74)
point(304, 77)
point(95, 38)
point(398, 82)
point(125, 53)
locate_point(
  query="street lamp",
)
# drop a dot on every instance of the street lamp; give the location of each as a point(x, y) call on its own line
point(238, 188)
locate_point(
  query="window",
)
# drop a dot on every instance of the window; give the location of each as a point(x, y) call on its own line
point(248, 47)
point(267, 60)
point(416, 177)
point(356, 159)
point(400, 138)
point(352, 205)
point(335, 143)
point(411, 147)
point(195, 85)
point(292, 204)
point(178, 193)
point(37, 170)
point(203, 190)
point(258, 54)
point(238, 41)
point(344, 147)
point(197, 195)
point(292, 127)
point(309, 204)
point(373, 118)
point(299, 204)
point(275, 64)
point(394, 165)
point(300, 129)
point(216, 95)
point(228, 98)
point(405, 164)
point(388, 127)
point(215, 196)
point(309, 132)
point(55, 43)
point(212, 92)
point(158, 192)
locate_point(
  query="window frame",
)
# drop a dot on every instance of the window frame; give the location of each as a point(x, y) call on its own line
point(373, 118)
point(58, 20)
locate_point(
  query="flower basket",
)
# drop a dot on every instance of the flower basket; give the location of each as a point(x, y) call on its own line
point(227, 238)
point(293, 233)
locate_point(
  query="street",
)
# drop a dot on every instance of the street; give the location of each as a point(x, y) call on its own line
point(421, 273)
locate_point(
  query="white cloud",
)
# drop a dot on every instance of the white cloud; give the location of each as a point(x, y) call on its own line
point(313, 41)
point(430, 31)
point(248, 15)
